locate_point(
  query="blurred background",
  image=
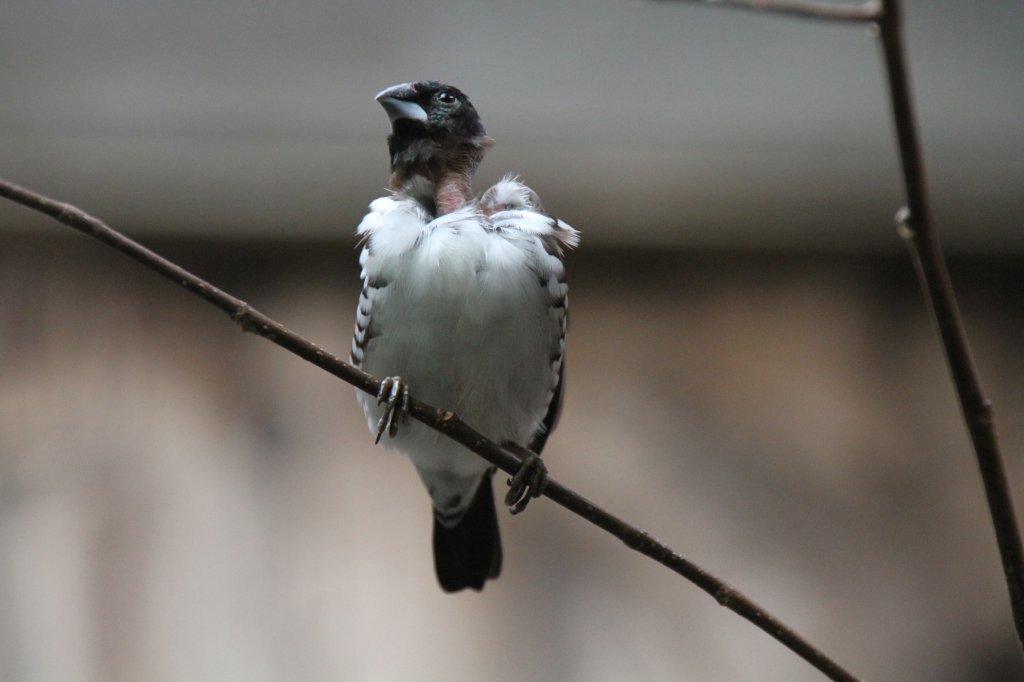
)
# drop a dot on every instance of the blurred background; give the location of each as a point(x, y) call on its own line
point(753, 377)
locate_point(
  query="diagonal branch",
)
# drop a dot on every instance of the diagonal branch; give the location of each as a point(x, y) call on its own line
point(866, 11)
point(916, 227)
point(446, 422)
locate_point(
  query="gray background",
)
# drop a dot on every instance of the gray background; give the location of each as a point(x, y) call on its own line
point(752, 374)
point(656, 124)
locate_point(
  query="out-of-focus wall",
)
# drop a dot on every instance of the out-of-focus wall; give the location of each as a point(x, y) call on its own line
point(180, 501)
point(663, 124)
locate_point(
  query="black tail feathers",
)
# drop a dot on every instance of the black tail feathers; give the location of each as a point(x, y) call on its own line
point(469, 554)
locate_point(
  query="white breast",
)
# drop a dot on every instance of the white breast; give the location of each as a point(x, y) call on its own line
point(461, 311)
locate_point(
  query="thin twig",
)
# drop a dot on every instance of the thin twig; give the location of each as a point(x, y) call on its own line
point(446, 422)
point(916, 227)
point(861, 12)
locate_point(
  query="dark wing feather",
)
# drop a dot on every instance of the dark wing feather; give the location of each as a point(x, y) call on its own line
point(540, 438)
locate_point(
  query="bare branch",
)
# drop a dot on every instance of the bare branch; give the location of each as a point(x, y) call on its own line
point(868, 11)
point(444, 421)
point(916, 227)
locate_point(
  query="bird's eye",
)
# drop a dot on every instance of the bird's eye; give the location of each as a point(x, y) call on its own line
point(445, 97)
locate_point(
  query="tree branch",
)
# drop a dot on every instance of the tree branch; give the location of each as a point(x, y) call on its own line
point(915, 225)
point(444, 421)
point(867, 11)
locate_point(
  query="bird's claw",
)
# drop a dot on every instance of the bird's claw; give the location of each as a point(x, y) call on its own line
point(527, 483)
point(395, 394)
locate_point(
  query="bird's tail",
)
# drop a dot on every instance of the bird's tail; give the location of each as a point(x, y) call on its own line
point(469, 553)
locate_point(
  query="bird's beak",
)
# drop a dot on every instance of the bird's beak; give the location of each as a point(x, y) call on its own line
point(398, 103)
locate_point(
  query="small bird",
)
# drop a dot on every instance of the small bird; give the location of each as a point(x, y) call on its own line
point(464, 300)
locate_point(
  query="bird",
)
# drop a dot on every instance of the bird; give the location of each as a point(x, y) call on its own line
point(464, 302)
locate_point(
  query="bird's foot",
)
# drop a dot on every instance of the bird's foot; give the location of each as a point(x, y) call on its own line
point(527, 483)
point(395, 394)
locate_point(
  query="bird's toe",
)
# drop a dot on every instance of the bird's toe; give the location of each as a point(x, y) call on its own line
point(527, 483)
point(394, 395)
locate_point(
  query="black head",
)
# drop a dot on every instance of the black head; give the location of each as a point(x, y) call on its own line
point(430, 108)
point(434, 128)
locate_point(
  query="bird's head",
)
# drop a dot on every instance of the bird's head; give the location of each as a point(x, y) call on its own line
point(435, 133)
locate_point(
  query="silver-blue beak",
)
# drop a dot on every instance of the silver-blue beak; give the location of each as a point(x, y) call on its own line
point(397, 102)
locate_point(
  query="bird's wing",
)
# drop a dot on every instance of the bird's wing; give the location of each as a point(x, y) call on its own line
point(514, 207)
point(392, 226)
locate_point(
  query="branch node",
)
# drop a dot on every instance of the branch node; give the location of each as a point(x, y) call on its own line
point(637, 541)
point(243, 317)
point(904, 224)
point(983, 413)
point(69, 214)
